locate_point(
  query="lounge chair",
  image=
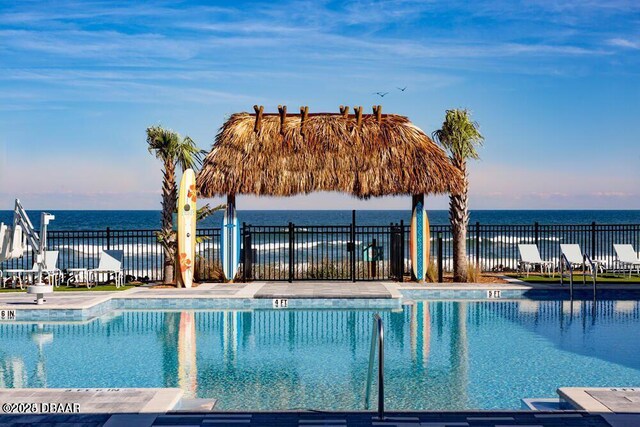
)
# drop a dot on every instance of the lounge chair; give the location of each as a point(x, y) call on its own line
point(573, 256)
point(50, 270)
point(109, 265)
point(530, 258)
point(627, 257)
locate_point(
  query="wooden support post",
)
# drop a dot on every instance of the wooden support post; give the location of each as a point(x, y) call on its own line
point(258, 111)
point(231, 202)
point(377, 110)
point(358, 111)
point(282, 109)
point(304, 114)
point(344, 110)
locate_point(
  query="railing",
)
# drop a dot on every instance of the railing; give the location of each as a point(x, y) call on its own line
point(377, 340)
point(347, 252)
point(564, 263)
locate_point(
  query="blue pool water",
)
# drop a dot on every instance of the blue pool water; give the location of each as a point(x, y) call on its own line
point(445, 355)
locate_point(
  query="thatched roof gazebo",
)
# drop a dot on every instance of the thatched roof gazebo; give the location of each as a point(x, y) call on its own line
point(366, 155)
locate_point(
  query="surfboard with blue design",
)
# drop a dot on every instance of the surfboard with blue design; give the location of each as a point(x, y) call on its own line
point(230, 243)
point(420, 242)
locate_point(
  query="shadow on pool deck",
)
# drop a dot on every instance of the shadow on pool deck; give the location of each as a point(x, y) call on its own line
point(285, 419)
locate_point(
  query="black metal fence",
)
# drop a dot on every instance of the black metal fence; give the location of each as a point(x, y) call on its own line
point(335, 252)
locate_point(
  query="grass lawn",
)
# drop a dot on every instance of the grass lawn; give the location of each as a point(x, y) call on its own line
point(577, 278)
point(65, 288)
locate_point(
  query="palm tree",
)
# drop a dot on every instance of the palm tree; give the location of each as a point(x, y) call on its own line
point(460, 137)
point(173, 151)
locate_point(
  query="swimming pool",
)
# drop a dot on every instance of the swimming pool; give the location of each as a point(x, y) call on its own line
point(440, 355)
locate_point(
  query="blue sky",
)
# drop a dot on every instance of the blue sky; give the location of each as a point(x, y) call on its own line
point(554, 86)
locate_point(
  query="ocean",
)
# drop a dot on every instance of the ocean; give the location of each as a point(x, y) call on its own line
point(495, 246)
point(133, 220)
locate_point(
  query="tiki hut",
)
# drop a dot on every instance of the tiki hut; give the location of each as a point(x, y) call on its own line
point(366, 155)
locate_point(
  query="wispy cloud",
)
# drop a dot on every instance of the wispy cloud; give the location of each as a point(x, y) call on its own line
point(631, 44)
point(64, 69)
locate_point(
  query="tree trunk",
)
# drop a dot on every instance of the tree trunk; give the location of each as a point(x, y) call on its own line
point(459, 217)
point(169, 203)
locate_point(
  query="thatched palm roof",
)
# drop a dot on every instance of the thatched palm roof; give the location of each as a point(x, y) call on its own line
point(364, 155)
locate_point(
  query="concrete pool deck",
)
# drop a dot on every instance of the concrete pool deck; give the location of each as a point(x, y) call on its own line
point(299, 291)
point(618, 407)
point(164, 407)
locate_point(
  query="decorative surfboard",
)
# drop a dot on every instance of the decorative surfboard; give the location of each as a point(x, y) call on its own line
point(230, 243)
point(187, 226)
point(419, 242)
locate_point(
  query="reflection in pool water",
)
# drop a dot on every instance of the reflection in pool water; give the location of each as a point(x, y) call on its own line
point(439, 355)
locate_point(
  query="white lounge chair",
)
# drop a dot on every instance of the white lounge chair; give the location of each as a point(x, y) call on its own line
point(627, 257)
point(109, 265)
point(530, 258)
point(50, 270)
point(573, 255)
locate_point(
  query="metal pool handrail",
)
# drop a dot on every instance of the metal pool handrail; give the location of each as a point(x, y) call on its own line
point(377, 337)
point(594, 272)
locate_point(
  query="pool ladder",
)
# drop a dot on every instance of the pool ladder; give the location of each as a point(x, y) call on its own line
point(377, 340)
point(564, 263)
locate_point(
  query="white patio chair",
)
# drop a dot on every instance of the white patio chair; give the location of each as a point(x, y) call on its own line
point(109, 265)
point(574, 256)
point(50, 271)
point(627, 257)
point(530, 258)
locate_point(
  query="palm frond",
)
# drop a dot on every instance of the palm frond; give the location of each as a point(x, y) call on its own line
point(187, 154)
point(459, 135)
point(206, 210)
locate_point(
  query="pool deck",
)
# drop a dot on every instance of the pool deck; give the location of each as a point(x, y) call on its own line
point(163, 407)
point(309, 290)
point(620, 406)
point(160, 407)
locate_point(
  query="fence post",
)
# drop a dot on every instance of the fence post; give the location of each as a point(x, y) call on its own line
point(108, 238)
point(393, 261)
point(291, 251)
point(477, 244)
point(536, 232)
point(244, 252)
point(593, 240)
point(401, 243)
point(440, 261)
point(373, 265)
point(353, 245)
point(247, 259)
